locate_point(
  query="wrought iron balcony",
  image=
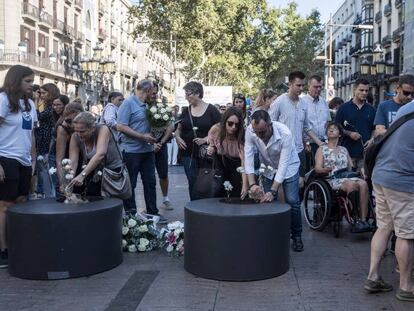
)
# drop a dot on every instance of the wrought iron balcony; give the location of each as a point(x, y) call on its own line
point(378, 17)
point(396, 34)
point(79, 4)
point(398, 4)
point(30, 11)
point(45, 19)
point(386, 41)
point(387, 10)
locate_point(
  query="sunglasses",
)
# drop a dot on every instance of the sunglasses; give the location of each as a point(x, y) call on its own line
point(408, 93)
point(68, 121)
point(233, 124)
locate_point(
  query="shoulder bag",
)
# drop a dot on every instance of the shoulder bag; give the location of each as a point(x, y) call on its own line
point(200, 149)
point(116, 184)
point(209, 182)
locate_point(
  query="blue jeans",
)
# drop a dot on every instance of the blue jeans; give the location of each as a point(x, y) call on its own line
point(54, 177)
point(44, 180)
point(190, 169)
point(143, 163)
point(291, 190)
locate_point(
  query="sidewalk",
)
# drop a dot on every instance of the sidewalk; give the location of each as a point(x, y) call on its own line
point(328, 275)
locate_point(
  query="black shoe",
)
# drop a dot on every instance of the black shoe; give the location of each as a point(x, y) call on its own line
point(361, 226)
point(4, 259)
point(297, 244)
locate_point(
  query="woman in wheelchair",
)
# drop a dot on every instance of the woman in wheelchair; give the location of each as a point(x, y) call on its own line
point(334, 161)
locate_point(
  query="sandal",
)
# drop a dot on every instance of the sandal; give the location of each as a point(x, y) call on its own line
point(405, 295)
point(377, 286)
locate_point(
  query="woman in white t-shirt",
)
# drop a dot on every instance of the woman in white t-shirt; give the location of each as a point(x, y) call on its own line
point(17, 120)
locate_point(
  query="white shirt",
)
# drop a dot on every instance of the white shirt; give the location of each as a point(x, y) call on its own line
point(318, 115)
point(16, 131)
point(293, 115)
point(280, 152)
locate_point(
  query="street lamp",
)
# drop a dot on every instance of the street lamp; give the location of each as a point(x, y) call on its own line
point(365, 67)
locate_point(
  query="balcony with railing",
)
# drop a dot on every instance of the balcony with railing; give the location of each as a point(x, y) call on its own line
point(70, 31)
point(102, 34)
point(12, 57)
point(378, 17)
point(101, 7)
point(80, 37)
point(123, 45)
point(114, 40)
point(398, 4)
point(387, 10)
point(354, 50)
point(396, 34)
point(79, 4)
point(30, 11)
point(386, 41)
point(45, 19)
point(58, 26)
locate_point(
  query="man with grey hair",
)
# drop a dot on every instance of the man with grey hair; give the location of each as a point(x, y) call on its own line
point(137, 145)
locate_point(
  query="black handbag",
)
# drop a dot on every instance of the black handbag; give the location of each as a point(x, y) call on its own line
point(201, 150)
point(209, 182)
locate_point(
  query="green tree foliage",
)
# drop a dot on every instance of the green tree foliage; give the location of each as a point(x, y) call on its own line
point(242, 43)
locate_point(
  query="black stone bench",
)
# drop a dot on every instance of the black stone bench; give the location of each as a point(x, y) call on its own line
point(51, 240)
point(236, 242)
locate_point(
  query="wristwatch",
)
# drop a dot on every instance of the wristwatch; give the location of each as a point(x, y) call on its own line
point(273, 192)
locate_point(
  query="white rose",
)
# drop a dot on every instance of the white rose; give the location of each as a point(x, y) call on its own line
point(163, 110)
point(132, 248)
point(261, 170)
point(143, 241)
point(40, 158)
point(99, 173)
point(124, 243)
point(195, 128)
point(165, 117)
point(270, 168)
point(125, 230)
point(157, 116)
point(142, 248)
point(67, 167)
point(143, 228)
point(69, 176)
point(170, 248)
point(132, 223)
point(153, 109)
point(159, 105)
point(52, 170)
point(262, 165)
point(240, 169)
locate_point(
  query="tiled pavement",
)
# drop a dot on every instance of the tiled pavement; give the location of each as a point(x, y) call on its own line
point(328, 275)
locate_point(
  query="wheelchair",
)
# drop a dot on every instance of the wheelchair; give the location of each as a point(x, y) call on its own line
point(323, 205)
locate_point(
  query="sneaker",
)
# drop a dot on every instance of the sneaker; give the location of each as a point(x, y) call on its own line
point(377, 286)
point(157, 218)
point(405, 295)
point(4, 259)
point(297, 244)
point(167, 205)
point(361, 226)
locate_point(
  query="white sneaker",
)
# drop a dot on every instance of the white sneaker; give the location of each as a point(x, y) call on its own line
point(167, 205)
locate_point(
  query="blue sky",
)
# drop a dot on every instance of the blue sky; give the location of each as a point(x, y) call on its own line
point(305, 6)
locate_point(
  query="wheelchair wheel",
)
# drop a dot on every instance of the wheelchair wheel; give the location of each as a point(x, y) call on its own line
point(317, 200)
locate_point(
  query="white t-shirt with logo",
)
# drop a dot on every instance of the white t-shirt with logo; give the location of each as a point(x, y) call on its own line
point(16, 131)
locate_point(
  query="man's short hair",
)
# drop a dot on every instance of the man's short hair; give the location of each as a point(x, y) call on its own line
point(145, 85)
point(406, 79)
point(315, 77)
point(296, 75)
point(259, 115)
point(361, 81)
point(194, 87)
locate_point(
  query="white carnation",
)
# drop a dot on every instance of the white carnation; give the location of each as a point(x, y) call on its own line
point(52, 170)
point(165, 117)
point(157, 116)
point(270, 168)
point(153, 109)
point(125, 230)
point(40, 158)
point(263, 165)
point(160, 105)
point(132, 223)
point(261, 170)
point(132, 248)
point(99, 173)
point(143, 242)
point(163, 110)
point(67, 167)
point(143, 228)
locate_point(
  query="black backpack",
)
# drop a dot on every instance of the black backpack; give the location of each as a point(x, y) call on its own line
point(371, 152)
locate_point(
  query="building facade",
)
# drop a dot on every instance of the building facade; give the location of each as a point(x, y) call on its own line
point(370, 33)
point(54, 38)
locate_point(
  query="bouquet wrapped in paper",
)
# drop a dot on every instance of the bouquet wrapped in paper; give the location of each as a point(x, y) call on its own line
point(159, 117)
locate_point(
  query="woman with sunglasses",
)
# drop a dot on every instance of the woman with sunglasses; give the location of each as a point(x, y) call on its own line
point(226, 140)
point(64, 131)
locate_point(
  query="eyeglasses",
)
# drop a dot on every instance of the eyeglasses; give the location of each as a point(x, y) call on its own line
point(408, 93)
point(68, 121)
point(233, 124)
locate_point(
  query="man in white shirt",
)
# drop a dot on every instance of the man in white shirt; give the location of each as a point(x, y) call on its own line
point(275, 145)
point(318, 114)
point(291, 110)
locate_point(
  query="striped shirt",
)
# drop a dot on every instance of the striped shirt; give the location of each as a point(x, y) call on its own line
point(294, 115)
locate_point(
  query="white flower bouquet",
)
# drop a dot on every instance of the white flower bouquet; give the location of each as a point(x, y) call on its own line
point(172, 238)
point(159, 116)
point(263, 171)
point(139, 235)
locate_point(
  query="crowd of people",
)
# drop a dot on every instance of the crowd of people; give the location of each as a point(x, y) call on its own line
point(292, 133)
